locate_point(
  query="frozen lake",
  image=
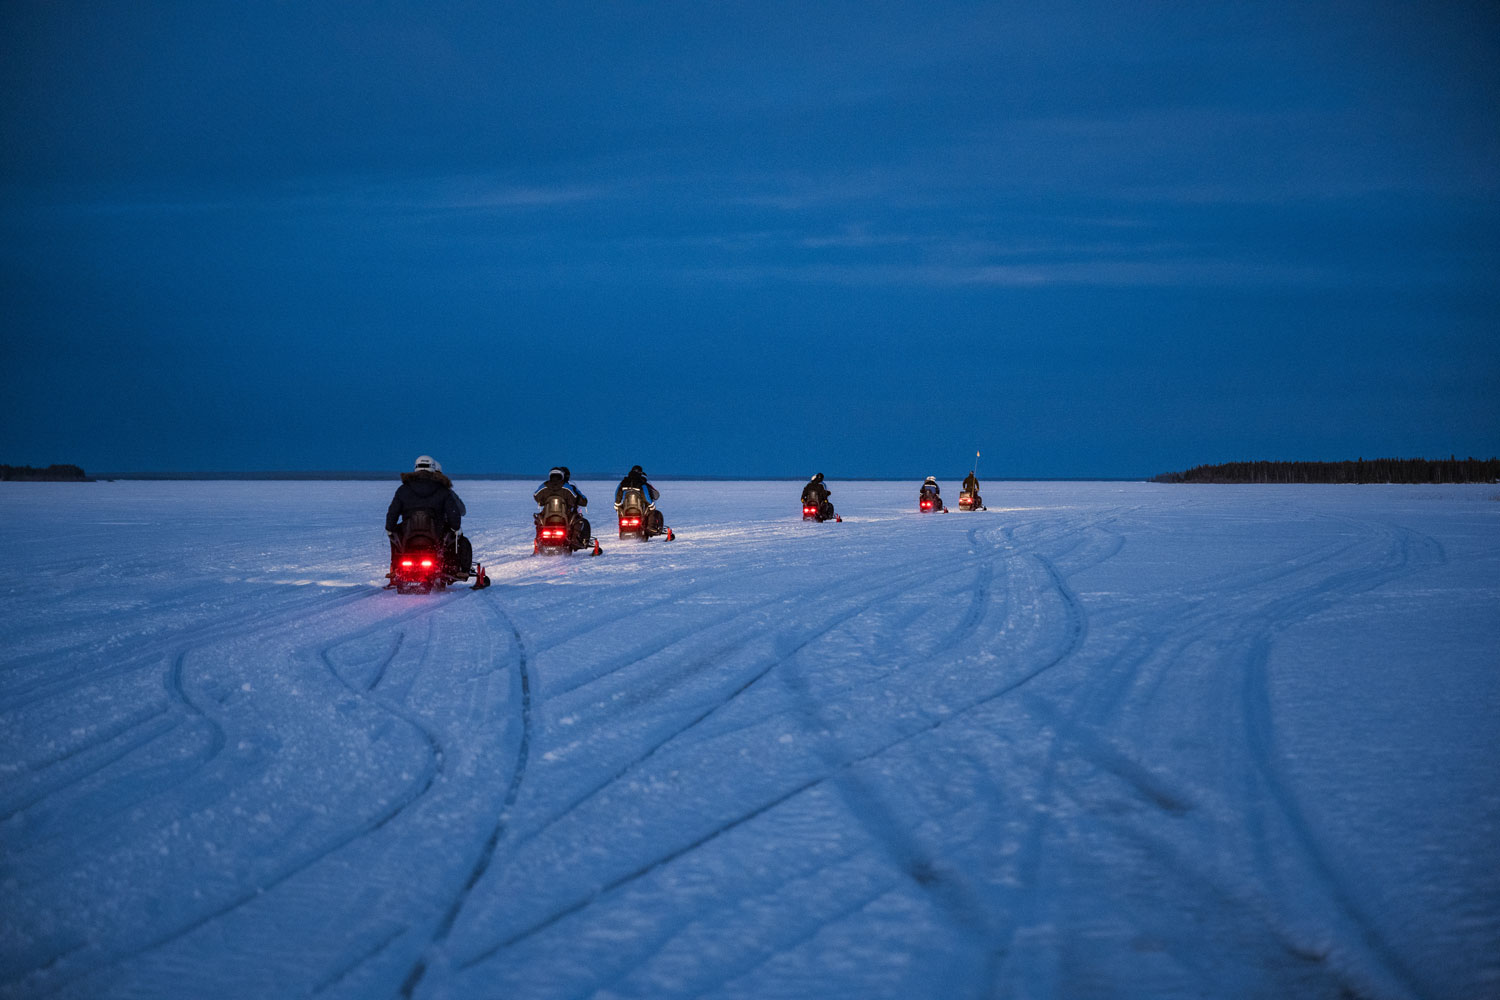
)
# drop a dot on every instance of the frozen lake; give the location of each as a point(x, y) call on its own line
point(1101, 740)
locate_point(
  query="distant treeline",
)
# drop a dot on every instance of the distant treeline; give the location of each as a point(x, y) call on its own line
point(51, 474)
point(1380, 470)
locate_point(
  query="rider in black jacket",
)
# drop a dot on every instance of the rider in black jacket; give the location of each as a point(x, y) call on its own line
point(816, 493)
point(557, 486)
point(636, 479)
point(426, 495)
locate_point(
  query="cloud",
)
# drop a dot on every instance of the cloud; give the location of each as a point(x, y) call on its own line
point(432, 194)
point(854, 237)
point(1172, 273)
point(488, 193)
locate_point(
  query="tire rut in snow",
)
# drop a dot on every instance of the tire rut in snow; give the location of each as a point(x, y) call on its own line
point(744, 681)
point(512, 793)
point(658, 644)
point(962, 907)
point(305, 860)
point(1072, 637)
point(861, 604)
point(1401, 561)
point(178, 650)
point(150, 652)
point(1245, 615)
point(644, 870)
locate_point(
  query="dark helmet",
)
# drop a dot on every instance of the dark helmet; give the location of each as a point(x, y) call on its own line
point(559, 474)
point(636, 470)
point(565, 473)
point(817, 477)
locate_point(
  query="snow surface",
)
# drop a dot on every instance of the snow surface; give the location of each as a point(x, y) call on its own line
point(1101, 740)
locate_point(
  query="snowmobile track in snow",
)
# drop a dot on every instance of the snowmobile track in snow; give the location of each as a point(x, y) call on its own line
point(836, 770)
point(294, 865)
point(742, 682)
point(512, 793)
point(1061, 749)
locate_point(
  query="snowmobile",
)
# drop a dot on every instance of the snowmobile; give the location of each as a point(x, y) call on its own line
point(969, 500)
point(929, 497)
point(637, 518)
point(422, 563)
point(557, 531)
point(820, 512)
point(421, 570)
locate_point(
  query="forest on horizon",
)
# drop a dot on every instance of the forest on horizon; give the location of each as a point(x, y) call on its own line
point(1380, 470)
point(51, 474)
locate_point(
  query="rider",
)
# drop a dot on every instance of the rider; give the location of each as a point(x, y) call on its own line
point(583, 501)
point(816, 493)
point(930, 491)
point(557, 485)
point(635, 479)
point(425, 499)
point(971, 487)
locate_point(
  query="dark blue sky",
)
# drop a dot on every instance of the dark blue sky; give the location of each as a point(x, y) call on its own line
point(764, 239)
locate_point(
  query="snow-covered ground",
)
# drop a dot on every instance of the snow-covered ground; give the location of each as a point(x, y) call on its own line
point(1101, 740)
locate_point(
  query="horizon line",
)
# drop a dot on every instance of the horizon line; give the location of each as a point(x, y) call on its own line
point(366, 475)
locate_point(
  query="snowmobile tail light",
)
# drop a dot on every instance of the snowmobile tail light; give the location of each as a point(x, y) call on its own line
point(406, 563)
point(427, 564)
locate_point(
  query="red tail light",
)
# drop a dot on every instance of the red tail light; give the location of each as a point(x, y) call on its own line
point(427, 564)
point(630, 522)
point(561, 532)
point(809, 509)
point(406, 564)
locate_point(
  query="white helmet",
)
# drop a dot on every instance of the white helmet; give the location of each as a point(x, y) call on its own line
point(426, 463)
point(932, 479)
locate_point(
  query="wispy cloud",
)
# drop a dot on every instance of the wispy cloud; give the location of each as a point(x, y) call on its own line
point(1206, 273)
point(432, 194)
point(489, 193)
point(855, 237)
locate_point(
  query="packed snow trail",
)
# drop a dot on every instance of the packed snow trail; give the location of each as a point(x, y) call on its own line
point(1099, 740)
